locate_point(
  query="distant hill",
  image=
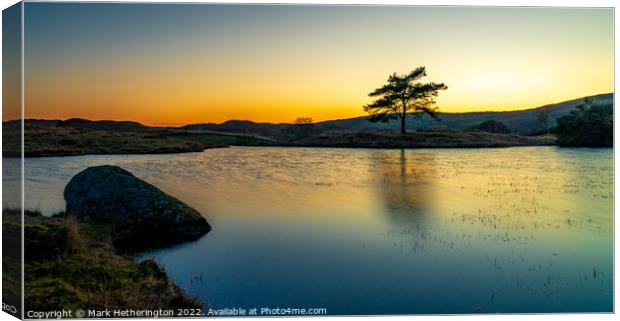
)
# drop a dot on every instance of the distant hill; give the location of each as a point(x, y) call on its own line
point(492, 126)
point(242, 127)
point(78, 136)
point(520, 121)
point(109, 125)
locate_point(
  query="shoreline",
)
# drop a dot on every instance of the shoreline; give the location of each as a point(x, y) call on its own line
point(310, 146)
point(66, 255)
point(300, 146)
point(294, 146)
point(112, 153)
point(58, 142)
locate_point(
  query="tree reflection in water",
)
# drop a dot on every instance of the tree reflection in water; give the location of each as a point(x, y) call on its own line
point(406, 181)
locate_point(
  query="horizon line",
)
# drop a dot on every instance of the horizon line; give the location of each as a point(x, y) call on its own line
point(276, 123)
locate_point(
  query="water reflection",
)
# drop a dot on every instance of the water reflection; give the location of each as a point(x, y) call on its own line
point(382, 231)
point(406, 185)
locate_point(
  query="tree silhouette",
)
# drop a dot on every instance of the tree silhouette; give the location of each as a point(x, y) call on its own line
point(403, 95)
point(303, 121)
point(304, 126)
point(589, 124)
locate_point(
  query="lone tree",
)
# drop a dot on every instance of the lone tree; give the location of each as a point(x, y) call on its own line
point(402, 95)
point(303, 127)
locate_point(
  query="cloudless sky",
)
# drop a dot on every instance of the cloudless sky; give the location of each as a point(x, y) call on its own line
point(189, 63)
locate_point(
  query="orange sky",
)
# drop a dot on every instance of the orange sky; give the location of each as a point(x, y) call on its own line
point(178, 64)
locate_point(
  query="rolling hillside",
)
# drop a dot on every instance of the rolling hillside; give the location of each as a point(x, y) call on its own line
point(520, 122)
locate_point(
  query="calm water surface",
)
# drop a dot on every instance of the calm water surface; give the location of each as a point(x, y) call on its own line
point(381, 231)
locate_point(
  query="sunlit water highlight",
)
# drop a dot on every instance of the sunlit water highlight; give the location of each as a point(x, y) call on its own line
point(381, 231)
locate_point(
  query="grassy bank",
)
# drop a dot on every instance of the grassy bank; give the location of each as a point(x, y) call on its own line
point(222, 138)
point(42, 141)
point(425, 139)
point(54, 140)
point(71, 264)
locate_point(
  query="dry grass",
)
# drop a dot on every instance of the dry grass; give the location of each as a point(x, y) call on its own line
point(65, 141)
point(425, 139)
point(72, 264)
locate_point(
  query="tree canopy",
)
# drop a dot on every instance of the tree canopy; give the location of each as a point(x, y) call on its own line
point(589, 124)
point(303, 127)
point(404, 95)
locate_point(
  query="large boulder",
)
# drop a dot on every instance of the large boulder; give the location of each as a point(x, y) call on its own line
point(138, 212)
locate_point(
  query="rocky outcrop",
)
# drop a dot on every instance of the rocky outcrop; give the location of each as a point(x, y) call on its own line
point(138, 213)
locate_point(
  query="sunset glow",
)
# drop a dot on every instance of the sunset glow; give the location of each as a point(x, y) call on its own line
point(178, 64)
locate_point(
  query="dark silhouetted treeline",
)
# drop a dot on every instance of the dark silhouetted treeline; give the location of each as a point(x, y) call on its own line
point(589, 125)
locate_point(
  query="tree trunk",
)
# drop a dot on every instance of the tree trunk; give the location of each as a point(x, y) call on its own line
point(403, 118)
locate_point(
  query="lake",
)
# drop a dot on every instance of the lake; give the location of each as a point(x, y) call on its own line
point(370, 231)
